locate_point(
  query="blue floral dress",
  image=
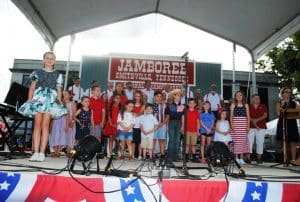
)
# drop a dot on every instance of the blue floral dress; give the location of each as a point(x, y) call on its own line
point(45, 96)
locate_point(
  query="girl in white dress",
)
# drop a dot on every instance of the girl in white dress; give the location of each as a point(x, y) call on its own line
point(222, 133)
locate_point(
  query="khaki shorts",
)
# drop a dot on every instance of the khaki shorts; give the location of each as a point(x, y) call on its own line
point(191, 138)
point(147, 143)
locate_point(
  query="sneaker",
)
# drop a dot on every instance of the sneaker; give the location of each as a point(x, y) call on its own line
point(41, 157)
point(242, 162)
point(293, 162)
point(34, 157)
point(140, 158)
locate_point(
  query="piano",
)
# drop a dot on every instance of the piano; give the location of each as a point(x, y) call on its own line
point(16, 96)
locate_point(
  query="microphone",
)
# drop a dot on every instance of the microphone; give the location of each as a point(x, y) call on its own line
point(282, 103)
point(184, 55)
point(285, 104)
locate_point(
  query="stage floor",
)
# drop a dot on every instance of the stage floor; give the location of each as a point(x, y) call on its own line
point(143, 168)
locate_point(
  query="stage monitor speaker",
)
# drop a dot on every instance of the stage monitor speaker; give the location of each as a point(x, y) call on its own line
point(272, 156)
point(16, 95)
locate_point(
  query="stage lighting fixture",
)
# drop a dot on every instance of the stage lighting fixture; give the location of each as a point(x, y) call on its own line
point(218, 154)
point(87, 148)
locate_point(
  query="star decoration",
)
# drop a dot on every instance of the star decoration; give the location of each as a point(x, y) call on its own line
point(4, 185)
point(10, 174)
point(130, 190)
point(126, 179)
point(258, 184)
point(255, 196)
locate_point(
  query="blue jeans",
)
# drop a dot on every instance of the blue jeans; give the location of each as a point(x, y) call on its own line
point(124, 135)
point(174, 139)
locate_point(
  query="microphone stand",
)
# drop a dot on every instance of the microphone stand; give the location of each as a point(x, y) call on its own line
point(285, 138)
point(160, 177)
point(112, 156)
point(184, 160)
point(184, 164)
point(113, 172)
point(162, 166)
point(285, 142)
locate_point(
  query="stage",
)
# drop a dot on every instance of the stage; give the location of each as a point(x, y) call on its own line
point(37, 181)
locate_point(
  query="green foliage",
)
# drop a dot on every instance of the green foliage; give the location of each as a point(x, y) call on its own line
point(284, 61)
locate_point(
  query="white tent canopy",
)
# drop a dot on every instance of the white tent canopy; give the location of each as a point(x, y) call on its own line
point(257, 25)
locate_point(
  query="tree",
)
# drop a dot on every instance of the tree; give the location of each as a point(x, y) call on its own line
point(284, 61)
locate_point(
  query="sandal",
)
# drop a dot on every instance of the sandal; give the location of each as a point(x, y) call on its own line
point(293, 162)
point(68, 154)
point(53, 155)
point(130, 158)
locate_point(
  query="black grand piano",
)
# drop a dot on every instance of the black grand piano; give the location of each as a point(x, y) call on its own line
point(16, 96)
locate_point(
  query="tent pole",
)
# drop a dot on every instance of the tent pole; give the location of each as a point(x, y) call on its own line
point(72, 37)
point(254, 88)
point(233, 69)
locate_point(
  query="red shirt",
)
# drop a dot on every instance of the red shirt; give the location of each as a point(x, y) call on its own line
point(192, 118)
point(97, 105)
point(256, 113)
point(137, 109)
point(123, 99)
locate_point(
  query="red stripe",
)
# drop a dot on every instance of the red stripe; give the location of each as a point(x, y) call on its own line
point(188, 190)
point(52, 187)
point(290, 192)
point(239, 136)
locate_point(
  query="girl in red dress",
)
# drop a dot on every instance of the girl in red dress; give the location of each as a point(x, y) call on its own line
point(138, 111)
point(119, 90)
point(110, 128)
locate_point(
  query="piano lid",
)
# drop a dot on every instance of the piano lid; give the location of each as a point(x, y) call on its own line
point(17, 95)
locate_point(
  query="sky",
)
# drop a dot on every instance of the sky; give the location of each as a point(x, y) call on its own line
point(152, 34)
